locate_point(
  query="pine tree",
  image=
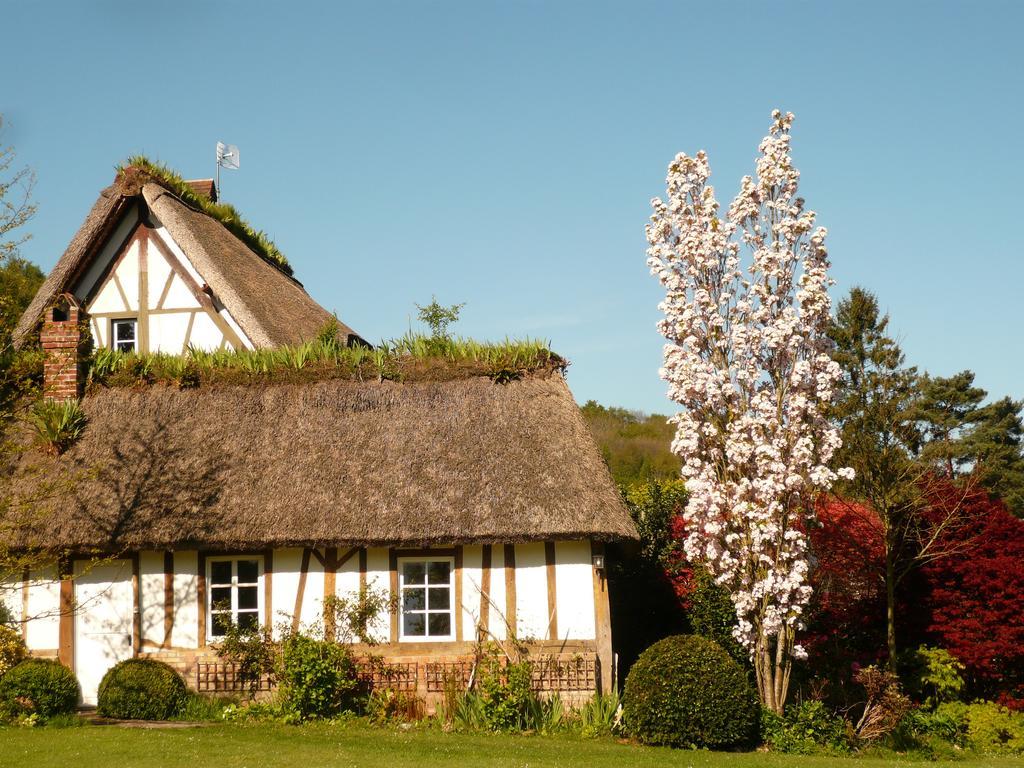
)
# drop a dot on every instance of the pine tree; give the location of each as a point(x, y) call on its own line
point(875, 410)
point(961, 437)
point(995, 444)
point(945, 411)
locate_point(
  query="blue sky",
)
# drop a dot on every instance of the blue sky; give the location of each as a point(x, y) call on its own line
point(503, 154)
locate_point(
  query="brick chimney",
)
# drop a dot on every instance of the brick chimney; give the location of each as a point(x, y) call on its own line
point(60, 339)
point(204, 188)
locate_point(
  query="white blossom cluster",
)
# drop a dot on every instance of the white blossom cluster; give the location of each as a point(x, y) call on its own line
point(748, 360)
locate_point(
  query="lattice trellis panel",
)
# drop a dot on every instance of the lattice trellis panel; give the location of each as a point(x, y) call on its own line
point(438, 672)
point(224, 677)
point(397, 676)
point(578, 672)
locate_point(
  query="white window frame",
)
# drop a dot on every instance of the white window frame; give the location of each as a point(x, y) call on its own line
point(233, 559)
point(427, 559)
point(114, 341)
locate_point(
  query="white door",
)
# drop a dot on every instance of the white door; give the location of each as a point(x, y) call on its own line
point(103, 621)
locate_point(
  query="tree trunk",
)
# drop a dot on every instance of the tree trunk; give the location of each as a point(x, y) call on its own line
point(773, 663)
point(890, 605)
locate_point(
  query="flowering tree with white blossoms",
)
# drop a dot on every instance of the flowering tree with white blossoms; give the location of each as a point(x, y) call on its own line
point(748, 360)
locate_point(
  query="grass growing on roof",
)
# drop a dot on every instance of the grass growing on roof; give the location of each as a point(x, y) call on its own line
point(411, 357)
point(225, 213)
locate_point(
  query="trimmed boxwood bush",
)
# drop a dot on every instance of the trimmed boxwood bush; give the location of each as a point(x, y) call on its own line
point(686, 691)
point(140, 689)
point(38, 686)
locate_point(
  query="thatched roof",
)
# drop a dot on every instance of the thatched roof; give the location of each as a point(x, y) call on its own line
point(329, 463)
point(271, 307)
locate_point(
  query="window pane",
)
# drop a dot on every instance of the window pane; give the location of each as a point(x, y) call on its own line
point(221, 624)
point(248, 571)
point(440, 624)
point(413, 625)
point(248, 598)
point(248, 621)
point(440, 599)
point(126, 346)
point(124, 330)
point(438, 572)
point(220, 572)
point(414, 573)
point(414, 599)
point(220, 598)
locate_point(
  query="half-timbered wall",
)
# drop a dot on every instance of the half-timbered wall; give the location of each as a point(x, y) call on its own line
point(548, 591)
point(142, 274)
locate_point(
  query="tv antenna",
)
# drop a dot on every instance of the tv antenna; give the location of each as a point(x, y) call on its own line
point(227, 157)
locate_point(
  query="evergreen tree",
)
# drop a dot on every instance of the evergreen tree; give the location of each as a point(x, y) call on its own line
point(875, 410)
point(945, 411)
point(995, 444)
point(960, 436)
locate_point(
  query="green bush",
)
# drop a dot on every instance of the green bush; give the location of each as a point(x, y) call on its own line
point(687, 691)
point(807, 728)
point(947, 722)
point(984, 726)
point(317, 678)
point(140, 689)
point(41, 687)
point(12, 649)
point(995, 730)
point(507, 697)
point(932, 675)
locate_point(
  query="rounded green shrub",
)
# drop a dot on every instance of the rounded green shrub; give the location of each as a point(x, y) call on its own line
point(686, 691)
point(39, 686)
point(140, 689)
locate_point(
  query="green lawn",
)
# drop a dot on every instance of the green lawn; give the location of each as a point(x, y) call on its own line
point(355, 744)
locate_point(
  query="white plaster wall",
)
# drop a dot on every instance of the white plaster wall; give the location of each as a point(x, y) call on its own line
point(151, 596)
point(128, 275)
point(472, 570)
point(108, 300)
point(285, 587)
point(285, 584)
point(312, 611)
point(11, 594)
point(498, 611)
point(185, 632)
point(531, 592)
point(205, 333)
point(175, 249)
point(43, 609)
point(378, 577)
point(346, 584)
point(167, 333)
point(574, 582)
point(179, 296)
point(99, 332)
point(159, 270)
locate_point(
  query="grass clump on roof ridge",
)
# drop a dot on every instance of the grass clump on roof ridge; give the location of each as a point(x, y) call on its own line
point(411, 357)
point(225, 213)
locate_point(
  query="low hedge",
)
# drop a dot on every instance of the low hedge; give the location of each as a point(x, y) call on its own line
point(140, 689)
point(686, 691)
point(38, 686)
